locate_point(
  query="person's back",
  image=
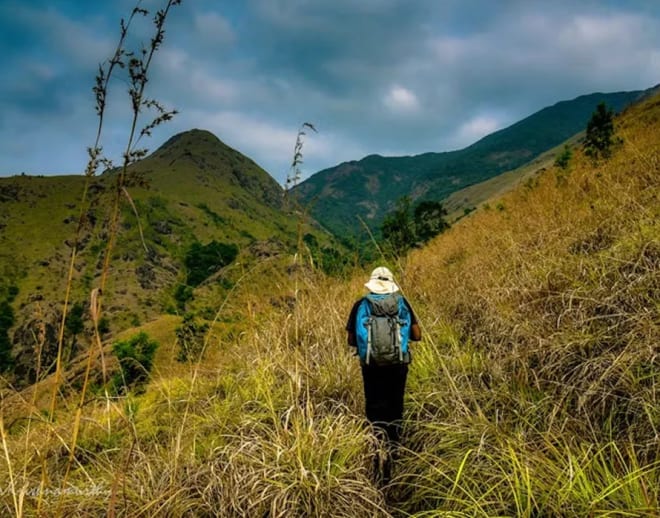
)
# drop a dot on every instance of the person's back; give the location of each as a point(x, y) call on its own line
point(384, 373)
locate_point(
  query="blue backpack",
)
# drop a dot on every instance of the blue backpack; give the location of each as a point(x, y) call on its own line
point(382, 329)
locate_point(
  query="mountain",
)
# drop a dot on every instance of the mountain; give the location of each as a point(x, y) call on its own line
point(228, 173)
point(369, 188)
point(534, 391)
point(192, 206)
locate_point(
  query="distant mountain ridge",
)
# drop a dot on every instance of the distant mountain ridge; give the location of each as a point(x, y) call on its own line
point(367, 189)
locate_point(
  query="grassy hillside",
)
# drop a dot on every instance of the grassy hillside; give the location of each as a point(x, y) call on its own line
point(469, 198)
point(552, 302)
point(369, 188)
point(533, 393)
point(193, 191)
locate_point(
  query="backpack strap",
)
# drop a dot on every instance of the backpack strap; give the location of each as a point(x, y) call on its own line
point(369, 340)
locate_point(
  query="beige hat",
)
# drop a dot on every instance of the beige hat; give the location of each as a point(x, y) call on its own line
point(382, 281)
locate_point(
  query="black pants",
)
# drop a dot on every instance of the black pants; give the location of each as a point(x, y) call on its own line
point(383, 393)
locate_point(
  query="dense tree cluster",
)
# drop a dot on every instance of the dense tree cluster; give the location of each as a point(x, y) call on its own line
point(203, 260)
point(405, 227)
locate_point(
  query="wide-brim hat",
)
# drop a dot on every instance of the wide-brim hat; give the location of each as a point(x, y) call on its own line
point(382, 281)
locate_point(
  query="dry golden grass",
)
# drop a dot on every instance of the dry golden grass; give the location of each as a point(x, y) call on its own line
point(533, 393)
point(543, 310)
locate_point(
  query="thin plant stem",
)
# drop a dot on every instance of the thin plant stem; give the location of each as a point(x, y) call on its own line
point(139, 73)
point(101, 88)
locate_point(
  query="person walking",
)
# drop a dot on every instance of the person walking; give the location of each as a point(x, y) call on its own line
point(380, 326)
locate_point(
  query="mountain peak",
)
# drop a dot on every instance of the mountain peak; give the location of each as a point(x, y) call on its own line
point(194, 136)
point(200, 153)
point(199, 147)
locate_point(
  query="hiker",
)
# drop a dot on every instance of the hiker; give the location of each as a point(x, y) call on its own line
point(380, 326)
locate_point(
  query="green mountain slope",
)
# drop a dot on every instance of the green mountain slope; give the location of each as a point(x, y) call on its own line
point(534, 391)
point(368, 188)
point(190, 192)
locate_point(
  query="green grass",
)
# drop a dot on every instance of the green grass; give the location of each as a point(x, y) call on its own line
point(533, 393)
point(241, 205)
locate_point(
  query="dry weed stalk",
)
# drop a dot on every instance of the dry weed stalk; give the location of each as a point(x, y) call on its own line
point(137, 64)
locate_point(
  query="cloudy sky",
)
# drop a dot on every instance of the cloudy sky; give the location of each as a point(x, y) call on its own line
point(394, 77)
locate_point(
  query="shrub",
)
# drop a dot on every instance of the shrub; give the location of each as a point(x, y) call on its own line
point(74, 320)
point(136, 356)
point(190, 337)
point(333, 262)
point(328, 258)
point(182, 294)
point(202, 260)
point(104, 326)
point(12, 291)
point(563, 160)
point(6, 321)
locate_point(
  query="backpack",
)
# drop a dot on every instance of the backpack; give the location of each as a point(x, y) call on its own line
point(382, 330)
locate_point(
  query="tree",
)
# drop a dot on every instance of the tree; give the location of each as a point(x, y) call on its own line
point(203, 260)
point(398, 229)
point(429, 220)
point(600, 130)
point(403, 228)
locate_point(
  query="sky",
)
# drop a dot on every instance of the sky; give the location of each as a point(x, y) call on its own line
point(392, 77)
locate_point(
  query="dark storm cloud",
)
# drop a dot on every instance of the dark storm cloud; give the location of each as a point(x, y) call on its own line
point(375, 76)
